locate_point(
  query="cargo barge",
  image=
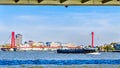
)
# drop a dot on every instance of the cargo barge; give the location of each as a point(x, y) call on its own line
point(83, 50)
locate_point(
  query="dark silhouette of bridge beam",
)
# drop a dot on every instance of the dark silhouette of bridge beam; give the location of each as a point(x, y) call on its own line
point(39, 1)
point(83, 1)
point(105, 1)
point(62, 1)
point(16, 1)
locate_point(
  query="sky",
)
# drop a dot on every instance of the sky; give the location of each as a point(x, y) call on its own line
point(59, 24)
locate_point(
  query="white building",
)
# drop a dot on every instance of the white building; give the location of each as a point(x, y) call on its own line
point(27, 47)
point(55, 44)
point(38, 44)
point(68, 45)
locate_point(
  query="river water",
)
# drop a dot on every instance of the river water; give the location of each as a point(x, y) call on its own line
point(27, 59)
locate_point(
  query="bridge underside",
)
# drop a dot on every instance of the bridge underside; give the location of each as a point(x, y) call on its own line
point(61, 2)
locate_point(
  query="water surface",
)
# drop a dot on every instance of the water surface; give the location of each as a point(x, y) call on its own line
point(40, 59)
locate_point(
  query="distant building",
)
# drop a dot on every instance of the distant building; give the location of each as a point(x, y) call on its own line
point(38, 44)
point(41, 43)
point(68, 45)
point(30, 42)
point(117, 46)
point(18, 39)
point(54, 44)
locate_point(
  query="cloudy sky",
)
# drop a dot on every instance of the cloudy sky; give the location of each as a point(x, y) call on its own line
point(59, 24)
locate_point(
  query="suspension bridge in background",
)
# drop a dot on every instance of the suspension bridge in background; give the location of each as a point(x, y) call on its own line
point(13, 46)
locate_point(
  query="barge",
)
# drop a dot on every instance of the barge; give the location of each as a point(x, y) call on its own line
point(83, 50)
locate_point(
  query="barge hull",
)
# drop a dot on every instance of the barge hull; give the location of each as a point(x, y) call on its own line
point(76, 50)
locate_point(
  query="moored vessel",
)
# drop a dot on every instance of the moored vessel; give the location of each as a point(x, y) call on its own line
point(83, 50)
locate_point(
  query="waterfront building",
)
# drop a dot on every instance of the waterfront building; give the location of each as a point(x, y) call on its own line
point(18, 39)
point(55, 44)
point(41, 43)
point(64, 45)
point(38, 44)
point(30, 42)
point(68, 45)
point(117, 46)
point(80, 46)
point(25, 46)
point(28, 47)
point(71, 45)
point(35, 44)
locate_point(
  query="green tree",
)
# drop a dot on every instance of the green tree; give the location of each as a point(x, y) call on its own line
point(109, 48)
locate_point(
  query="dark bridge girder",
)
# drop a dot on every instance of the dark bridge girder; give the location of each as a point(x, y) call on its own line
point(16, 1)
point(39, 1)
point(83, 1)
point(105, 1)
point(61, 2)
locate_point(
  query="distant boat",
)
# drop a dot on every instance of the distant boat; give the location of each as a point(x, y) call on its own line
point(83, 50)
